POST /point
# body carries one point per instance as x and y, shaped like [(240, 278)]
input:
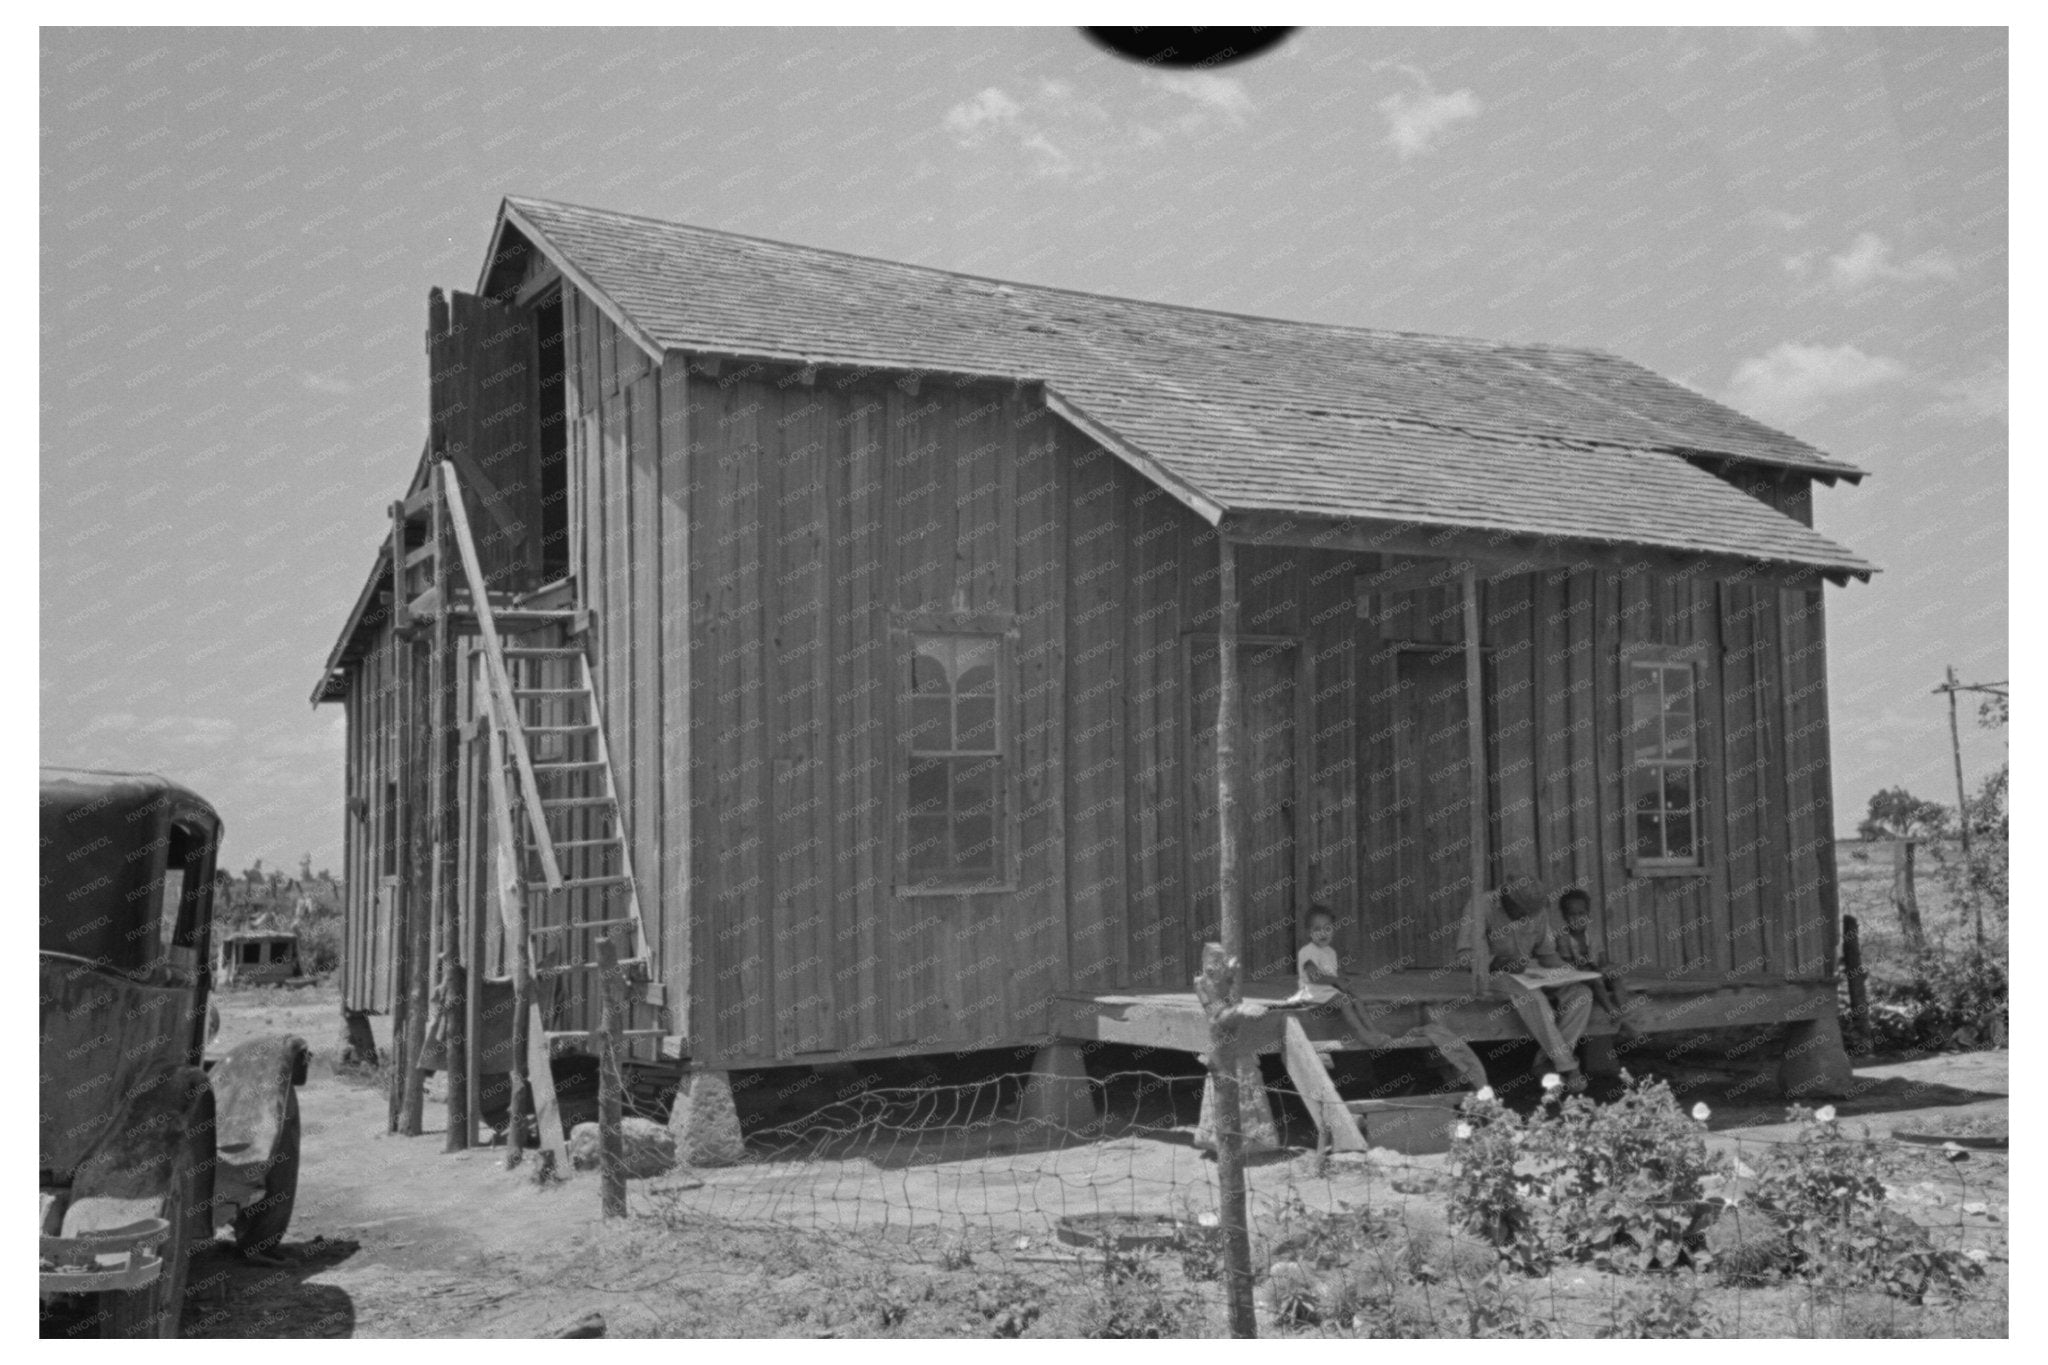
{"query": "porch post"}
[(1229, 876), (1475, 741)]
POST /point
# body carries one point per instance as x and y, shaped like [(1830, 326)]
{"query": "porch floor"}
[(1398, 1001)]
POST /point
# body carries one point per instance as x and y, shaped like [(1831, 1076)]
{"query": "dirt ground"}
[(394, 1237)]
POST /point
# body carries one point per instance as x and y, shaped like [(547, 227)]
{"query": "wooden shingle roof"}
[(1245, 414)]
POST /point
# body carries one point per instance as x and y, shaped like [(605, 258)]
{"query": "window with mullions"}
[(1663, 751), (954, 818)]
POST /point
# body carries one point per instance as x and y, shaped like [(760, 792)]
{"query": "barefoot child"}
[(1575, 946), (1321, 981)]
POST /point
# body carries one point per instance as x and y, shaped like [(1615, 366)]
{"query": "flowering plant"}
[(1625, 1185)]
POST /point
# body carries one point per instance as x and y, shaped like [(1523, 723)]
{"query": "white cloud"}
[(1221, 95), (971, 120), (1869, 260), (1416, 118), (1068, 135), (1792, 380)]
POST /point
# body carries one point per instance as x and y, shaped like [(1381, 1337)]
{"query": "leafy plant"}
[(1662, 1312), (1624, 1185), (1008, 1303), (1825, 1194), (1130, 1301)]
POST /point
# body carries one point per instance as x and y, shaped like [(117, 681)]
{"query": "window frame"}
[(1663, 657), (904, 632)]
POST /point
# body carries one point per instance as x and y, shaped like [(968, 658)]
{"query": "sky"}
[(239, 229)]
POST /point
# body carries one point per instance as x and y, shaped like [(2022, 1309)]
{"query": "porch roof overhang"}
[(1446, 549)]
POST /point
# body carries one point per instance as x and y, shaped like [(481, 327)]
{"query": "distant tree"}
[(1896, 813)]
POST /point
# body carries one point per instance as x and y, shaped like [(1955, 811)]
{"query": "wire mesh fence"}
[(935, 1210)]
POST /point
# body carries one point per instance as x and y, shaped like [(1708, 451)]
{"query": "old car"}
[(148, 1147)]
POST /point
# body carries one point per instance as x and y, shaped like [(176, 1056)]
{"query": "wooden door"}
[(483, 420), (1267, 787), (1432, 795)]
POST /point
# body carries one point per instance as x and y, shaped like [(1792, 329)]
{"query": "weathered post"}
[(1906, 897), (1853, 974), (1219, 987), (401, 830), (447, 834), (611, 1084), (1955, 744), (419, 908), (512, 909)]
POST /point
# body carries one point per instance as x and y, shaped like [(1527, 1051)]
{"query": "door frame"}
[(1192, 641)]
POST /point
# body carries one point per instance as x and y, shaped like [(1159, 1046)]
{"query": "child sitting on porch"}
[(1575, 946), (1321, 981)]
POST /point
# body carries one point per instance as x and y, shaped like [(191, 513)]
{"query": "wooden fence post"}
[(446, 806), (1906, 897), (1217, 987), (512, 910), (611, 1083), (1853, 974)]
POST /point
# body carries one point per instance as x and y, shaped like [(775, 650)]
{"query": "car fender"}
[(129, 1170), (250, 1086)]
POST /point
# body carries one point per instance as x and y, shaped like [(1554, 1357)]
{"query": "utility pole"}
[(1955, 740)]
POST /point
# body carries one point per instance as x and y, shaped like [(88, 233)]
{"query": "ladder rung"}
[(580, 924), (611, 841), (558, 729), (577, 883), (590, 1035), (542, 652), (420, 501), (579, 763), (548, 691), (576, 800), (421, 555), (629, 965)]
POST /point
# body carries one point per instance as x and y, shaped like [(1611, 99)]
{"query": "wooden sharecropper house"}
[(843, 637)]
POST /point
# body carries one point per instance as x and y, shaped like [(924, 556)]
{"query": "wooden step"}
[(590, 1035), (422, 501), (609, 841), (553, 801), (579, 924), (421, 555), (584, 728), (547, 691), (538, 652), (429, 602), (583, 763), (578, 883), (632, 966)]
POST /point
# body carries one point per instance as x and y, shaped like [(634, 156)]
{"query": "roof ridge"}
[(1350, 328)]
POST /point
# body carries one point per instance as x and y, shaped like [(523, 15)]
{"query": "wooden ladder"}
[(576, 814)]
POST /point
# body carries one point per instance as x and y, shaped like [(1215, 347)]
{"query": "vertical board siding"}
[(1155, 914), (858, 624), (1097, 534), (1329, 747), (1045, 455), (1810, 848), (794, 468), (674, 938)]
